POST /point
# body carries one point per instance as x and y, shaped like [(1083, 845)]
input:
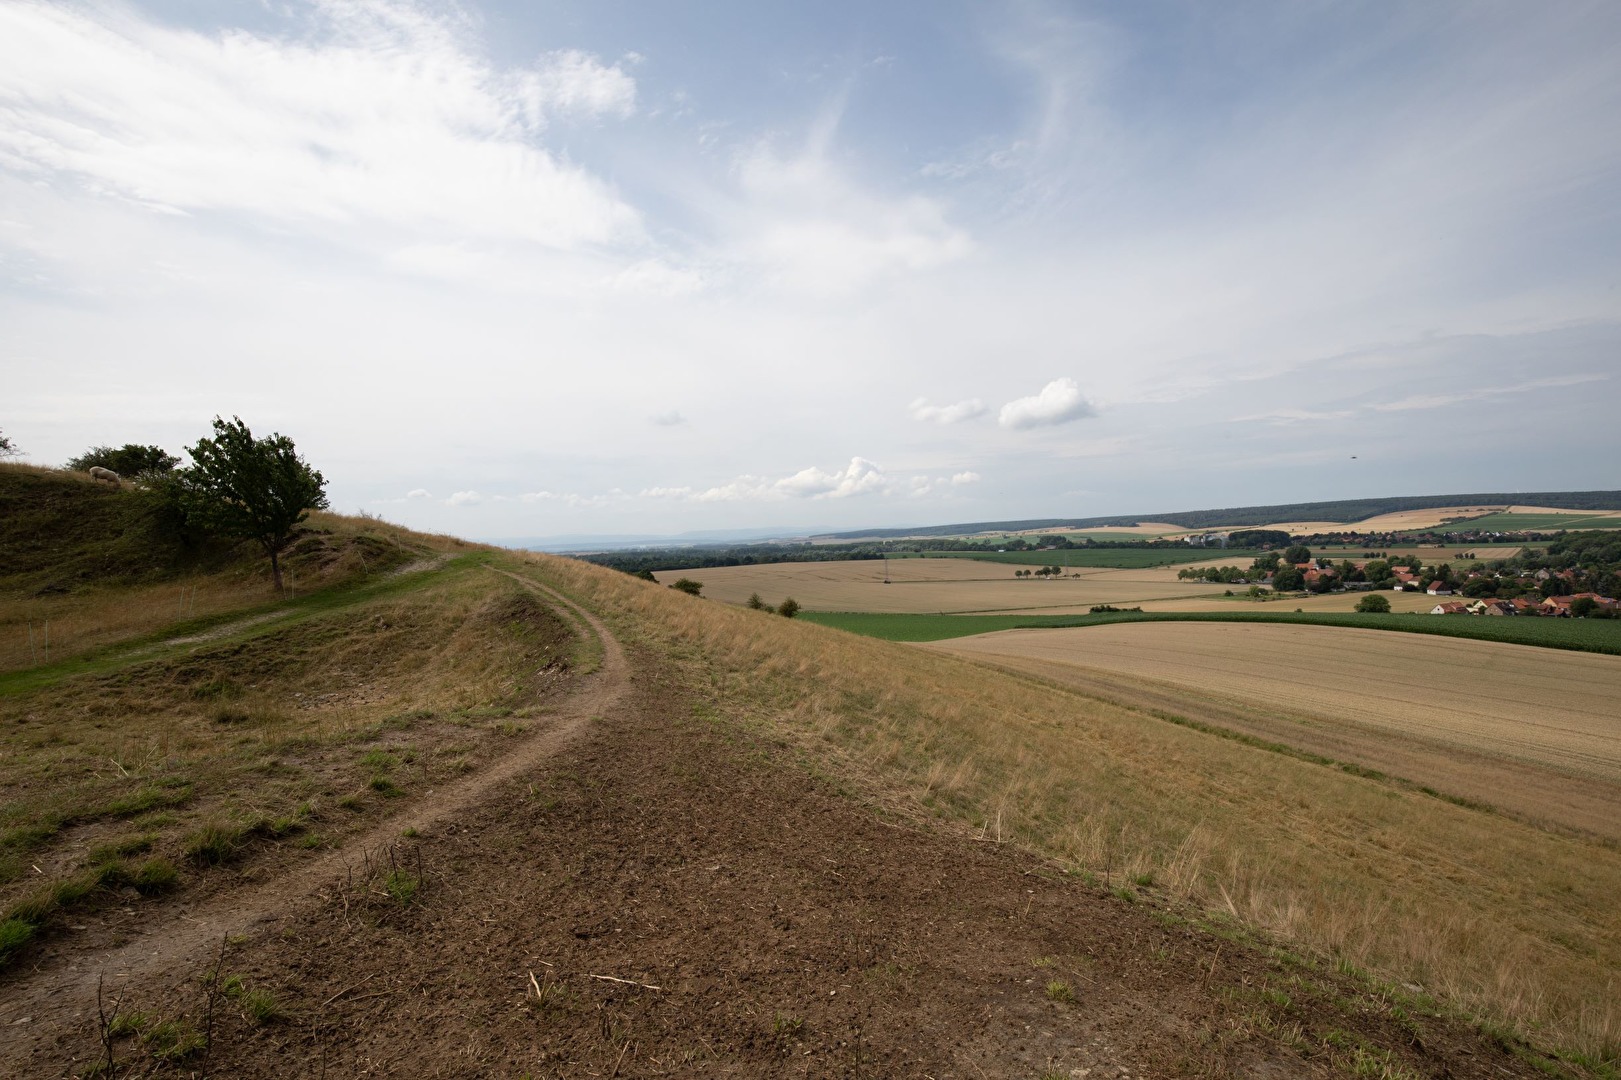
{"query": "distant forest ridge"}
[(1344, 510)]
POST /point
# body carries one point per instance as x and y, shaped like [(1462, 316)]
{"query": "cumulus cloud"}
[(964, 478), (860, 477), (1059, 402), (382, 113), (968, 409), (465, 498), (419, 493)]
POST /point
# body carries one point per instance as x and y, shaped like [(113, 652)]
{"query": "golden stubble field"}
[(1541, 707), (958, 586)]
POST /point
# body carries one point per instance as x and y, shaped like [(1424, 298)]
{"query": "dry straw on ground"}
[(1494, 914)]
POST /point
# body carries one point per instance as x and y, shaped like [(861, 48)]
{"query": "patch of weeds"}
[(149, 797), (261, 1007), (132, 1022), (385, 786), (230, 714), (1275, 997), (1144, 880), (154, 876), (215, 688), (783, 1024), (172, 1040), (378, 760), (1125, 893), (401, 887), (125, 845), (1059, 990), (509, 728), (214, 843), (14, 934), (1043, 961), (410, 832), (311, 841), (158, 820), (352, 802)]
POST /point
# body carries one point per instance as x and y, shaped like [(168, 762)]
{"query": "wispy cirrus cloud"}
[(390, 116), (968, 409)]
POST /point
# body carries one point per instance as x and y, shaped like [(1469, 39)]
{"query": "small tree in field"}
[(251, 489), (788, 608), (7, 447), (1374, 603), (755, 603), (688, 586)]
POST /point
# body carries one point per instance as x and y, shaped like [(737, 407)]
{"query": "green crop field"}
[(1581, 635), (1112, 558), (1533, 522)]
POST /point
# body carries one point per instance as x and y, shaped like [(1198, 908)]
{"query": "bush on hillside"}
[(788, 608), (688, 586), (7, 447), (129, 460)]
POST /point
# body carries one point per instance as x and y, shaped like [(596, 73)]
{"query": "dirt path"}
[(185, 934), (669, 891)]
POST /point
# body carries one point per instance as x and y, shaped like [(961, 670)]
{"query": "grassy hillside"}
[(1521, 924), (1582, 635), (180, 756)]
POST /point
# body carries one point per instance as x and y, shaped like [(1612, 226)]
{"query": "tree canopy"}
[(251, 489), (131, 459)]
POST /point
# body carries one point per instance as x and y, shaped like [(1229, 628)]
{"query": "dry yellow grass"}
[(925, 585), (1546, 706), (1493, 913)]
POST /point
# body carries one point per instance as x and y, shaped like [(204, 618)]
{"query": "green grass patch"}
[(1580, 635), (1096, 558)]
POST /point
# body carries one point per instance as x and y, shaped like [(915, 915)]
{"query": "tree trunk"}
[(275, 569)]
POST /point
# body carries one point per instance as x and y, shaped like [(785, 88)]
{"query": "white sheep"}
[(98, 473)]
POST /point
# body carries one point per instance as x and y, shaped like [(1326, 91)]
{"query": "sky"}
[(525, 269)]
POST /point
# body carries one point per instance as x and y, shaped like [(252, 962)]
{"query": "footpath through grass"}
[(1581, 635)]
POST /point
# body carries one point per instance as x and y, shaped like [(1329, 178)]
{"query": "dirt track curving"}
[(57, 995), (651, 888)]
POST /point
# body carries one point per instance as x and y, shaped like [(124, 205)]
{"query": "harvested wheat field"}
[(1349, 692), (935, 585)]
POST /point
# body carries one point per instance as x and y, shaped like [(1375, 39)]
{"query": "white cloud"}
[(571, 81), (669, 419), (395, 119), (1059, 402), (964, 478), (968, 409), (419, 493), (465, 498), (1481, 393), (860, 477)]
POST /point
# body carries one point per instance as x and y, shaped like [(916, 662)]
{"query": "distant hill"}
[(1343, 510)]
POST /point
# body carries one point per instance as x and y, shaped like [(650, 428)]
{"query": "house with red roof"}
[(1451, 607)]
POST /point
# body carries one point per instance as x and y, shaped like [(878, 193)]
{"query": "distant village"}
[(1577, 577)]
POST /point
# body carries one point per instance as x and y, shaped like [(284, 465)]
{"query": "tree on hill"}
[(251, 489), (688, 586), (788, 608), (131, 459), (1296, 554), (7, 447), (1373, 603)]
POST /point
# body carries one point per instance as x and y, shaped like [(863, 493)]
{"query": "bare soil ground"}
[(647, 890), (1531, 729)]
